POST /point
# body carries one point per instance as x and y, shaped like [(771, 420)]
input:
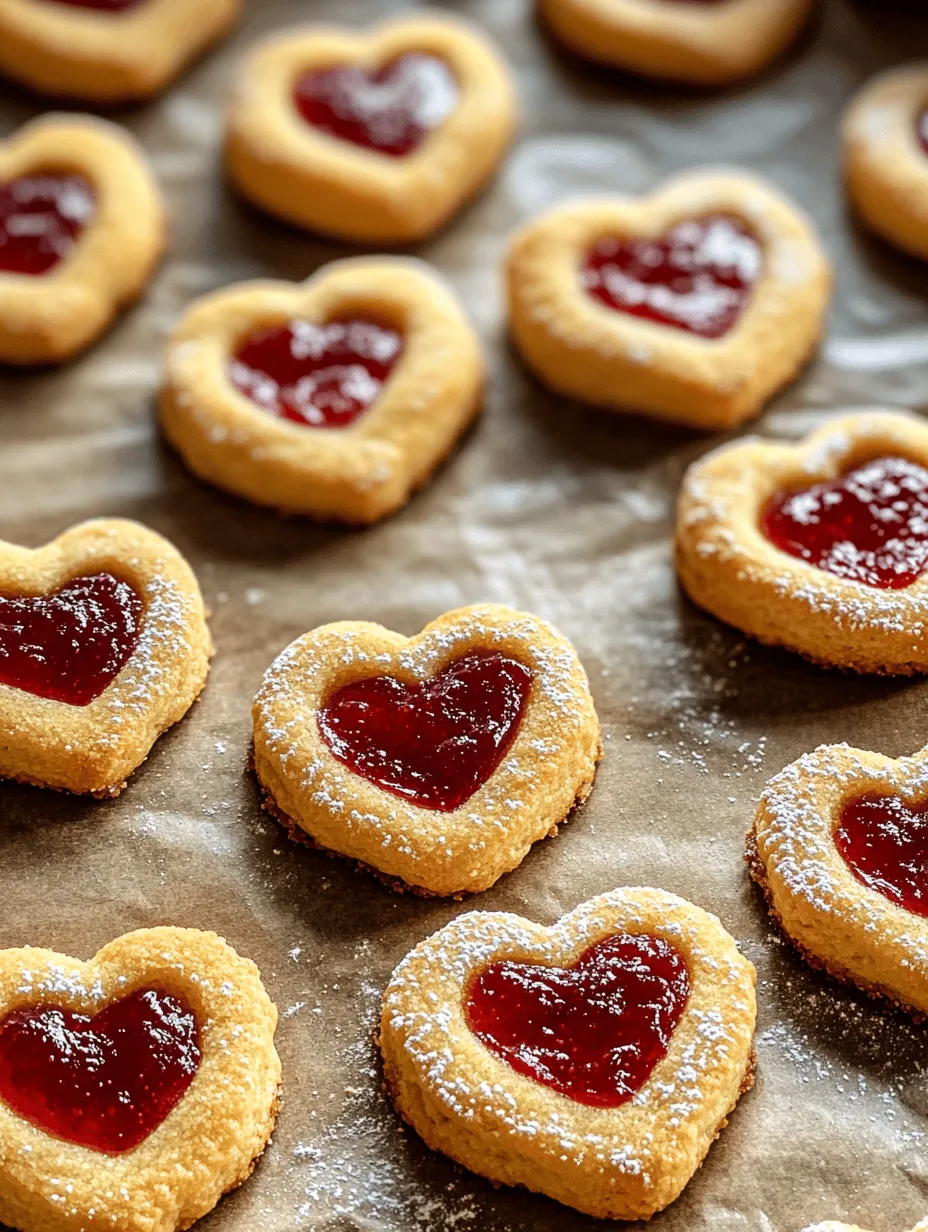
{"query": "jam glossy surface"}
[(391, 110), (698, 277), (41, 219), (870, 525), (321, 376), (884, 843), (593, 1031), (104, 1082), (69, 645), (434, 743)]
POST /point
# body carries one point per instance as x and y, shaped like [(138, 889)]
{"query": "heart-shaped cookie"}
[(376, 137), (103, 646), (712, 42), (106, 51), (595, 1061), (335, 398), (82, 226), (695, 304), (436, 761), (886, 157), (136, 1088), (839, 848), (819, 547)]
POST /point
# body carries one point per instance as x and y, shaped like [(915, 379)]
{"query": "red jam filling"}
[(884, 843), (104, 1082), (323, 376), (593, 1031), (41, 219), (433, 743), (870, 525), (102, 6), (391, 110), (70, 644), (698, 277)]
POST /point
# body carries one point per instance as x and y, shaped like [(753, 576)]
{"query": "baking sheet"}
[(546, 506)]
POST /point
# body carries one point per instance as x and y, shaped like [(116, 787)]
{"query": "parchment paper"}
[(546, 506)]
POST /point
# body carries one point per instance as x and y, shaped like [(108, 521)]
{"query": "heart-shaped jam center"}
[(593, 1031), (105, 1082), (41, 219), (69, 645), (698, 277), (870, 525), (323, 376), (433, 743), (884, 843), (390, 110)]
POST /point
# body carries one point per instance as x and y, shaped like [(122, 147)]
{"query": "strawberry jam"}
[(323, 376), (69, 645), (434, 744), (593, 1031), (698, 277), (884, 843), (870, 525), (41, 219), (390, 110), (104, 1082)]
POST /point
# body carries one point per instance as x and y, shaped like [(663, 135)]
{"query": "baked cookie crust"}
[(107, 58), (885, 166), (726, 564), (307, 177), (548, 769), (92, 749), (355, 474), (585, 350), (611, 1163), (836, 922), (711, 45), (208, 1144), (50, 317)]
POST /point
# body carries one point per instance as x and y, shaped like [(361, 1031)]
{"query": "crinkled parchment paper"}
[(545, 506)]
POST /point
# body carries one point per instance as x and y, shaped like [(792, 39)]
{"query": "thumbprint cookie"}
[(595, 1061), (335, 399), (373, 137), (136, 1088), (838, 847), (82, 225), (886, 157), (435, 761), (695, 304), (106, 51), (103, 646), (702, 42), (820, 547)]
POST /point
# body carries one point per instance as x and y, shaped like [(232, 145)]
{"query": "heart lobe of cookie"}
[(884, 842), (434, 743), (390, 110), (69, 645), (698, 277), (869, 525), (105, 1082), (42, 217), (593, 1031)]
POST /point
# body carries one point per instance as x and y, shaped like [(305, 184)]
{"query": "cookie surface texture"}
[(706, 44), (430, 818), (649, 349), (104, 646), (70, 51), (338, 185), (421, 387), (206, 998), (620, 1162), (728, 565)]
